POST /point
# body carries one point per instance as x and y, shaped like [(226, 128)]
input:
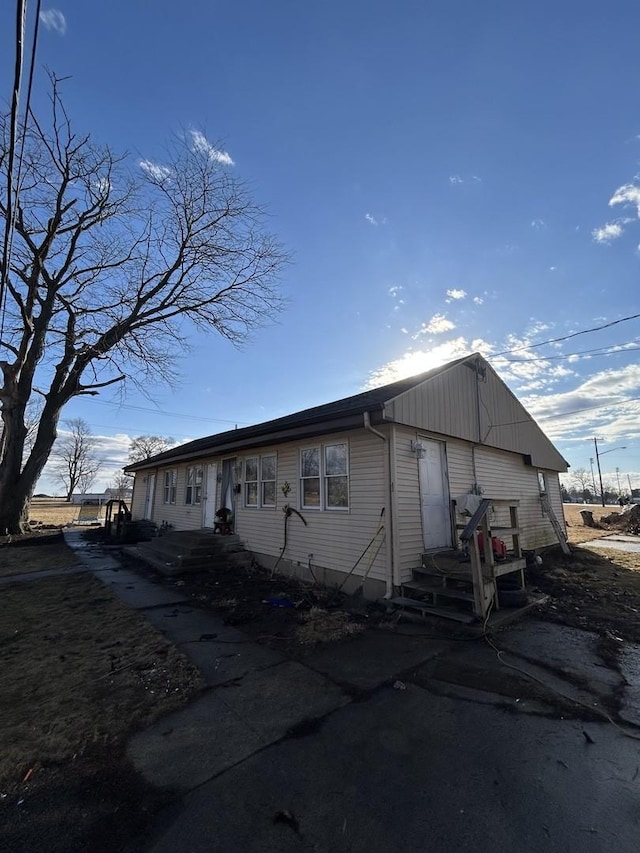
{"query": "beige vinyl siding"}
[(499, 475), (504, 475), (408, 522), (180, 515), (455, 404), (335, 538)]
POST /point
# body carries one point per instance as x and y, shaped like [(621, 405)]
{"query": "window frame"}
[(262, 481), (251, 482), (193, 485), (169, 486), (323, 477), (543, 485), (255, 485), (327, 477)]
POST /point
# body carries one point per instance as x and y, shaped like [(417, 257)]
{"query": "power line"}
[(610, 350), (159, 411), (566, 337)]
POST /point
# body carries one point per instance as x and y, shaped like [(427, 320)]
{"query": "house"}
[(376, 481)]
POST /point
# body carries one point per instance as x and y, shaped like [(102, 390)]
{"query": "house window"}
[(542, 482), (324, 477), (336, 476), (251, 481), (170, 483), (268, 480), (260, 481), (310, 478), (193, 493)]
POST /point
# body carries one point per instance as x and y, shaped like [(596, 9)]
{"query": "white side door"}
[(209, 495), (148, 500), (434, 497)]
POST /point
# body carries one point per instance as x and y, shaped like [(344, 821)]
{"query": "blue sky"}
[(448, 177)]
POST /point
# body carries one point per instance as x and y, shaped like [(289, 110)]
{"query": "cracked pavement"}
[(393, 742)]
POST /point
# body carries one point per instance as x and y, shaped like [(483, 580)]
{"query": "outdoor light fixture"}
[(417, 447)]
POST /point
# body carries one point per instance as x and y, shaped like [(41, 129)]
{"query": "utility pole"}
[(618, 478), (593, 479), (595, 441)]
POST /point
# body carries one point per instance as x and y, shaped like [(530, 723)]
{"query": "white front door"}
[(148, 500), (209, 495), (434, 497)]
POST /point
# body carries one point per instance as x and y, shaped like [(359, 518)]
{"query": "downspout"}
[(389, 579)]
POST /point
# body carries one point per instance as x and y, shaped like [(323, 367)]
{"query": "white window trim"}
[(259, 504), (170, 487), (195, 499), (262, 481), (323, 477)]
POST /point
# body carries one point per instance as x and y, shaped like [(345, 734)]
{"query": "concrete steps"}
[(181, 551)]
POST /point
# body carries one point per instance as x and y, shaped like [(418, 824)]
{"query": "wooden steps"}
[(423, 609), (462, 584)]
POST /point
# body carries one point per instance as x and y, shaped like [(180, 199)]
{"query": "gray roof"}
[(340, 414)]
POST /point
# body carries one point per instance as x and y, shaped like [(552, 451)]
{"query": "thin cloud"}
[(478, 300), (610, 231), (456, 293), (437, 325), (417, 361), (454, 180), (154, 170), (538, 224), (371, 219), (53, 19), (626, 194), (202, 145)]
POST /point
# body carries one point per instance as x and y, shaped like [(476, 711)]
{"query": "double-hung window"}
[(324, 477), (251, 481), (193, 492), (268, 480), (260, 481), (170, 484)]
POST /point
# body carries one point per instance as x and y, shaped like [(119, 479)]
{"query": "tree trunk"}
[(14, 512), (16, 485)]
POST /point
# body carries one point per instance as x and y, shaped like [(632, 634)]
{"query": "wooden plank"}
[(429, 610), (438, 591)]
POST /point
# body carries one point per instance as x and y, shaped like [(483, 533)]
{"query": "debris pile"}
[(322, 626), (627, 521)]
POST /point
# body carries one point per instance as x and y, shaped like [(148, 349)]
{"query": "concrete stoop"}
[(181, 551)]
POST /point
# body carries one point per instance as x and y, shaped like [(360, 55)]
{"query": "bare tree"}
[(75, 461), (583, 480), (109, 266), (146, 446), (121, 486)]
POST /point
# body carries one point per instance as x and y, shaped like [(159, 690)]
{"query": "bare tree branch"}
[(111, 262)]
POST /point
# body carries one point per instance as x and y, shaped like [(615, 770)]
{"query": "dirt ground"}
[(44, 551), (78, 673), (576, 530)]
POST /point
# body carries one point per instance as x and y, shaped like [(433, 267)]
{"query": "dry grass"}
[(55, 511), (577, 532), (50, 553), (78, 671), (320, 626)]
